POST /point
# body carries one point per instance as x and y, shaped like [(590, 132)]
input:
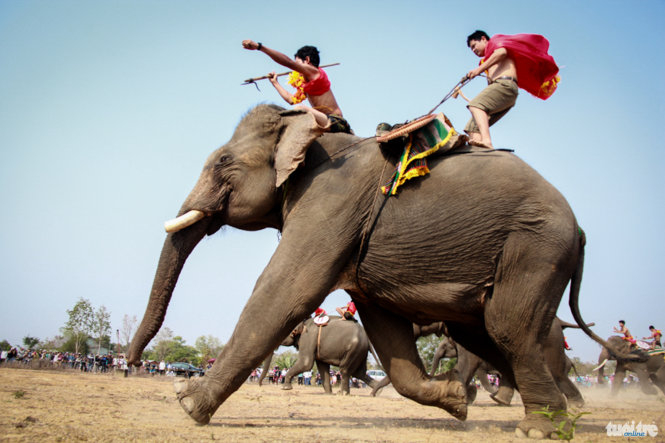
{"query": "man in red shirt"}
[(311, 82), (348, 312), (509, 61)]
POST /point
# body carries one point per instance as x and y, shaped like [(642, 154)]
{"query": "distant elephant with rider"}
[(338, 342), (649, 373)]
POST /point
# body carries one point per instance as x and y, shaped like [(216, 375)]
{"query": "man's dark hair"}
[(476, 36), (311, 52), (651, 327), (621, 321)]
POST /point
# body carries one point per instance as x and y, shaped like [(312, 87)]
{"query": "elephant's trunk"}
[(175, 251)]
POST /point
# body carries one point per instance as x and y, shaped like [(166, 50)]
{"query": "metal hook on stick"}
[(253, 81), (452, 92)]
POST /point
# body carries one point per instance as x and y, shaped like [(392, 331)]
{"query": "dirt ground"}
[(47, 405)]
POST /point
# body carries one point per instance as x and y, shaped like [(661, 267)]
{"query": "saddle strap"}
[(318, 342)]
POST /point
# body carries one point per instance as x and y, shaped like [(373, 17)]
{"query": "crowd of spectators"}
[(64, 360), (111, 363), (276, 376), (96, 363)]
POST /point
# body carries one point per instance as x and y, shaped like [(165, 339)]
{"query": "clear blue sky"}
[(108, 110)]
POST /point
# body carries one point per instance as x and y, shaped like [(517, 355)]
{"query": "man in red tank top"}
[(311, 82)]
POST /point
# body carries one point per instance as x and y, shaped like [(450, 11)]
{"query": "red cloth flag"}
[(536, 69)]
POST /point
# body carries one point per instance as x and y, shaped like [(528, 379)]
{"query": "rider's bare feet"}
[(481, 144), (476, 140)]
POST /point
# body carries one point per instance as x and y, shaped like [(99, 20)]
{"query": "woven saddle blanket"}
[(426, 136)]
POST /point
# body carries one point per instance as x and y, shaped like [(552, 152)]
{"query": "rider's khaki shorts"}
[(496, 100)]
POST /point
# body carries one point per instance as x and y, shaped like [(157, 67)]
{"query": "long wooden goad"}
[(249, 81)]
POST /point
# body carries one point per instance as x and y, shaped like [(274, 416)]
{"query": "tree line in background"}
[(88, 331)]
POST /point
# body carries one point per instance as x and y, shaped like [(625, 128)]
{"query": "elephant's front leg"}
[(504, 395), (296, 281), (304, 363), (438, 355), (393, 340), (619, 375)]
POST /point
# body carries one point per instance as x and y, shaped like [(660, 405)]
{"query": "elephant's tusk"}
[(183, 221), (600, 366)]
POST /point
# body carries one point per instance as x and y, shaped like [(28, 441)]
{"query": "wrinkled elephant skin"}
[(483, 243)]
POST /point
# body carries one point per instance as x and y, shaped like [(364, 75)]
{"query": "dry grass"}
[(42, 405)]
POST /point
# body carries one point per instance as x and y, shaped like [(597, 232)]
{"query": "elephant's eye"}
[(224, 159)]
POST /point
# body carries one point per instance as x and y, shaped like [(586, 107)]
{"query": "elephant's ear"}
[(299, 131)]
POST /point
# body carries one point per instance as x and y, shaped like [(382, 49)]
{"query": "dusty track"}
[(42, 405)]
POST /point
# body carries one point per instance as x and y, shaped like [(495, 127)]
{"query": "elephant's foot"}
[(287, 387), (576, 402), (471, 393), (535, 426), (452, 398), (503, 396), (195, 400)]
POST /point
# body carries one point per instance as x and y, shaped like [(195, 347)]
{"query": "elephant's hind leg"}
[(385, 381), (518, 317), (392, 337), (324, 370)]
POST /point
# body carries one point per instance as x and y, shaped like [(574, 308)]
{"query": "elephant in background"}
[(341, 343), (558, 363), (429, 254), (470, 365), (438, 329), (449, 349), (651, 371)]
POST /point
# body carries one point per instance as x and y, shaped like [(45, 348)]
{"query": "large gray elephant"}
[(340, 342), (483, 243), (649, 373)]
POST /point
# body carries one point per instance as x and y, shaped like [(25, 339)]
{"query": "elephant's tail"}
[(575, 283), (376, 359), (266, 367)]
